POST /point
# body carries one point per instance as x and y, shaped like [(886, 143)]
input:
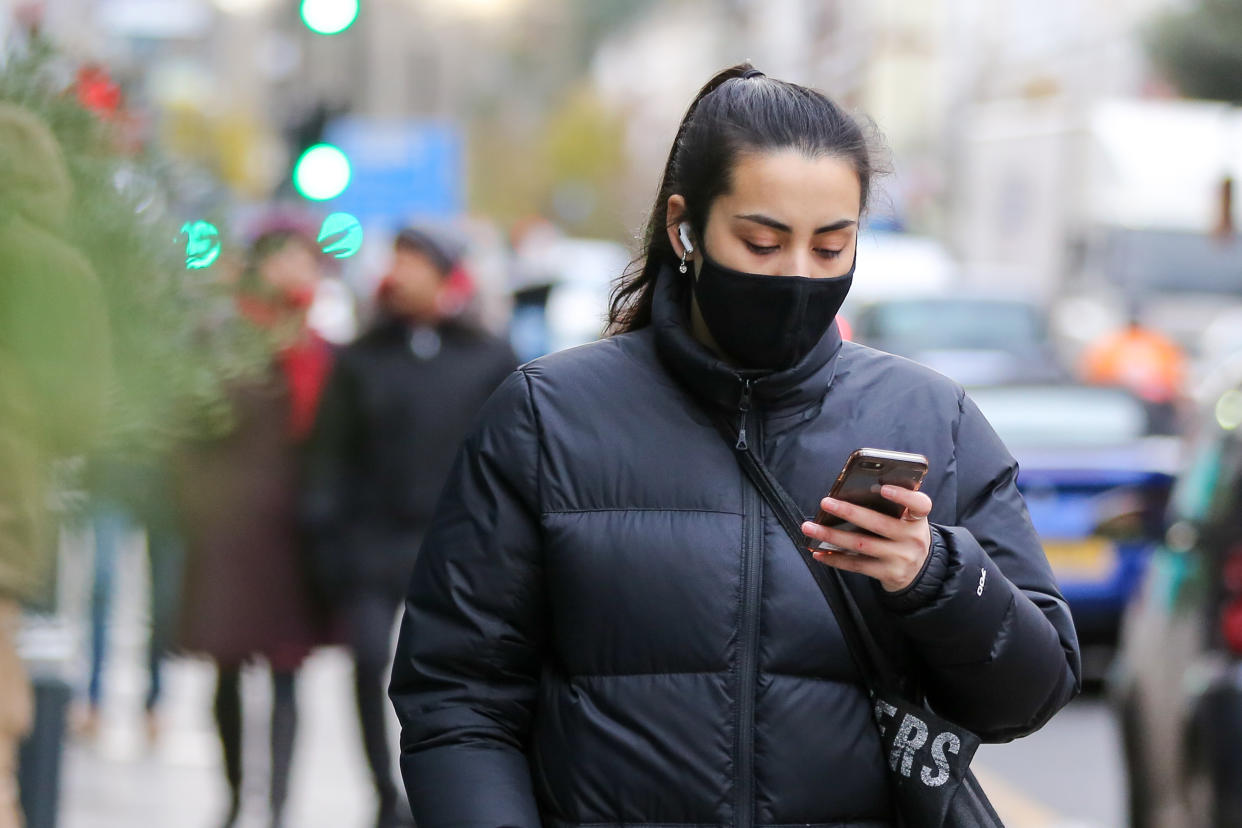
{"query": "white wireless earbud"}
[(683, 231)]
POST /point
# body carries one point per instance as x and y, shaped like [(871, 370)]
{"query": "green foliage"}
[(548, 144), (1200, 49), (176, 343), (571, 168)]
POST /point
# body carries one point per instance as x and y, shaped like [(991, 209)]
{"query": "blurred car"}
[(562, 294), (1177, 685), (1096, 479), (577, 305), (894, 265), (975, 341)]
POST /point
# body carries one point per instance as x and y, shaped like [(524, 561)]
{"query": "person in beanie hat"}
[(55, 363), (396, 406)]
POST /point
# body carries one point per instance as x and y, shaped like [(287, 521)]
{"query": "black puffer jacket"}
[(397, 405), (606, 626)]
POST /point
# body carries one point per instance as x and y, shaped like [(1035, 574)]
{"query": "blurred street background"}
[(1058, 232)]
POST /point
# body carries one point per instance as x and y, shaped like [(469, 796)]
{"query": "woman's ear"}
[(676, 215)]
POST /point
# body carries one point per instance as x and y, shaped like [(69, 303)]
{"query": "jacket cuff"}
[(961, 621), (928, 584)]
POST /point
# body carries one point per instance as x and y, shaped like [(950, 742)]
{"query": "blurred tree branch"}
[(176, 343)]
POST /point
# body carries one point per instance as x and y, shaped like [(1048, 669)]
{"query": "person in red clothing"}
[(246, 596)]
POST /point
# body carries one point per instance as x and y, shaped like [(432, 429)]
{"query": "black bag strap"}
[(962, 804), (872, 663)]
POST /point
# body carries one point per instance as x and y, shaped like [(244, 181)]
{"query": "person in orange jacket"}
[(1141, 359)]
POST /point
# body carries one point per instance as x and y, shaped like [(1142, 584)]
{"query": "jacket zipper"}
[(752, 568), (743, 409)]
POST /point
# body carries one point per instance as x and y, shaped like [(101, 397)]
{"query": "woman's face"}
[(785, 215), (292, 271)]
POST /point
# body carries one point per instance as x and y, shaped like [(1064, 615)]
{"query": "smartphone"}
[(860, 480)]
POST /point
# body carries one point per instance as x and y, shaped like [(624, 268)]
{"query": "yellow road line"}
[(1016, 809)]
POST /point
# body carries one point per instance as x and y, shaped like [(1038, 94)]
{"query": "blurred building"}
[(233, 78), (1035, 139), (1021, 128), (939, 77), (651, 69), (1007, 120)]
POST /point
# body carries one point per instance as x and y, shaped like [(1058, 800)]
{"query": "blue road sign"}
[(401, 169)]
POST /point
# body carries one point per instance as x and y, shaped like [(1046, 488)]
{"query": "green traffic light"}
[(341, 235), (329, 17), (322, 173), (202, 245)]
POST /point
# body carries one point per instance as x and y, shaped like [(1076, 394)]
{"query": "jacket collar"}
[(714, 380)]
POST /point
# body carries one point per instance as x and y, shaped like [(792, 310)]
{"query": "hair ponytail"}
[(739, 109), (630, 304)]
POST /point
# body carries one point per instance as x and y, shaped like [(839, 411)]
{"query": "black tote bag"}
[(928, 757)]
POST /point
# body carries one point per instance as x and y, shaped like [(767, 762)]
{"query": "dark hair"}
[(439, 251), (738, 111), (265, 246)]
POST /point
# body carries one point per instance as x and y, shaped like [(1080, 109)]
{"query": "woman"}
[(246, 595), (605, 626)]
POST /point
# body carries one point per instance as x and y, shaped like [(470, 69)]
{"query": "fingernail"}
[(829, 504), (888, 491)]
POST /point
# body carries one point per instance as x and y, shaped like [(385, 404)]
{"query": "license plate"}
[(1087, 559)]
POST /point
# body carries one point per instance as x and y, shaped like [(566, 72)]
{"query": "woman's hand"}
[(896, 557)]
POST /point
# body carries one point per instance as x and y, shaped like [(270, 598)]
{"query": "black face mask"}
[(768, 322)]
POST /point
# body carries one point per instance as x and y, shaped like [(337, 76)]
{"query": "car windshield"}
[(1062, 416), (934, 324)]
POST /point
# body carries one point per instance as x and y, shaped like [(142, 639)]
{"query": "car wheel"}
[(1214, 770), (1199, 791), (1139, 807)]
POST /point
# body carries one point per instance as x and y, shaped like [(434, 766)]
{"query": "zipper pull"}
[(743, 407)]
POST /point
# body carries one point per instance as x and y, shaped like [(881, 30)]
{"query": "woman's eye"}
[(828, 254), (760, 249)]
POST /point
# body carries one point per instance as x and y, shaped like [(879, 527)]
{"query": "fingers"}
[(894, 564), (918, 505), (863, 564), (863, 518), (894, 554), (844, 539)]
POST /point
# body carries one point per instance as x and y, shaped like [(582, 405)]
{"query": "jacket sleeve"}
[(985, 615), (329, 472), (468, 659)]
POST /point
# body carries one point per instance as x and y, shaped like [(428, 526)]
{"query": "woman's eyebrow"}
[(836, 225), (768, 221)]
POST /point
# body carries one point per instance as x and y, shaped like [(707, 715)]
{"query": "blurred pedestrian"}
[(606, 623), (246, 592), (399, 402), (131, 497), (1145, 361), (54, 368)]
